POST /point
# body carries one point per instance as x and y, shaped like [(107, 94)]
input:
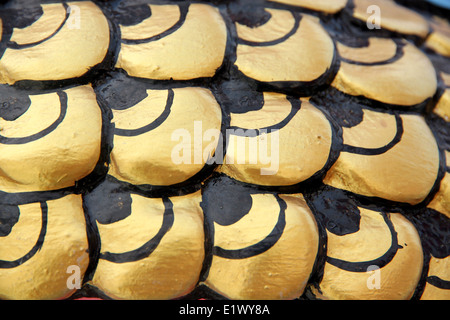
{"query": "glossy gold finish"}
[(439, 39), (441, 201), (162, 18), (395, 281), (195, 50), (275, 158), (45, 276), (327, 6), (282, 271), (405, 173), (152, 157), (80, 44), (172, 269), (63, 156), (53, 16), (438, 268), (304, 56), (379, 130), (394, 17), (407, 81), (377, 50), (142, 236), (442, 107)]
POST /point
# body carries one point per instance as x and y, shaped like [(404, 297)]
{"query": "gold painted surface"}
[(447, 158), (446, 78), (70, 53), (259, 223), (405, 173), (195, 50), (275, 109), (53, 16), (379, 49), (142, 113), (304, 56), (147, 158), (279, 273), (373, 230), (328, 6), (398, 279), (162, 18), (442, 107), (291, 155), (172, 270), (45, 276), (394, 17), (408, 81), (60, 158), (441, 201), (379, 130), (441, 269), (44, 110), (23, 235), (439, 39), (280, 23)]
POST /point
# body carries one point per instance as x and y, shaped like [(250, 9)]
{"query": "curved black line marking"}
[(63, 102), (156, 123), (15, 45), (438, 282), (381, 150), (262, 246), (251, 133), (294, 29), (399, 53), (184, 8), (147, 249), (37, 247), (380, 262)]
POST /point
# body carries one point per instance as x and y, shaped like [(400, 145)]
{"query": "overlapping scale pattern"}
[(283, 149)]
